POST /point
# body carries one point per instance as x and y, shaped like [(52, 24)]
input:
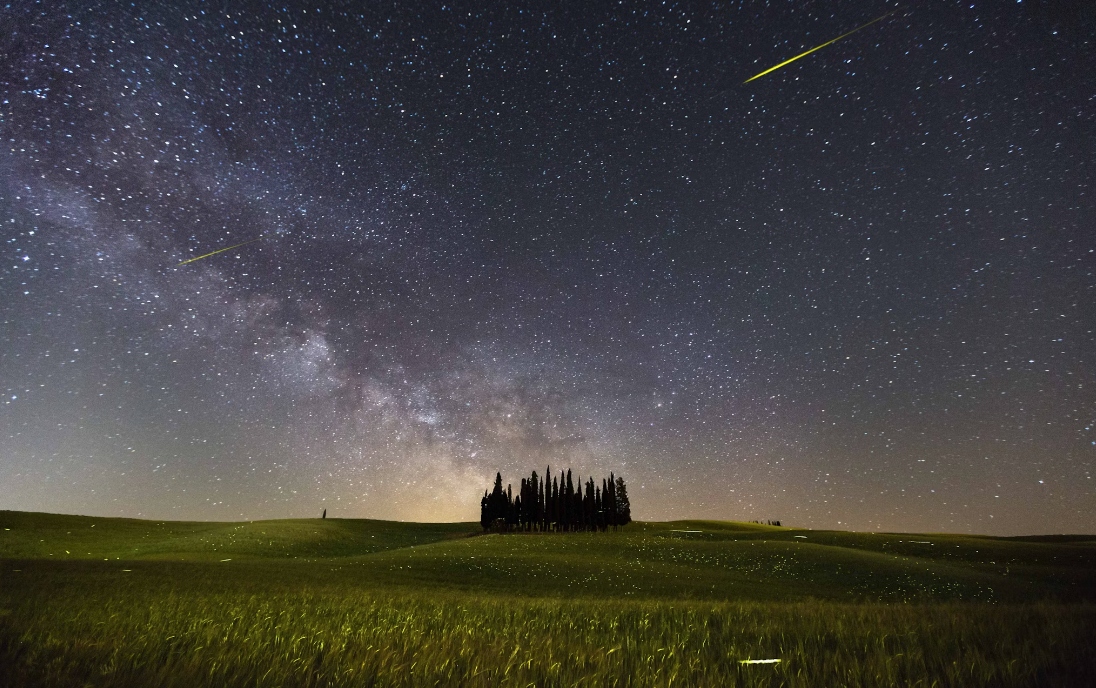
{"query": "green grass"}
[(53, 536), (88, 601)]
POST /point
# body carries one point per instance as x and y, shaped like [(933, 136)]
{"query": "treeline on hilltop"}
[(557, 505)]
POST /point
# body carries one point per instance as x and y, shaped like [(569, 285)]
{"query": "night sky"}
[(857, 292)]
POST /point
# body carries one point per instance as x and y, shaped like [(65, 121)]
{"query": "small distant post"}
[(324, 514)]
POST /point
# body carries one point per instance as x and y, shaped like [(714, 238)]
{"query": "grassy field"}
[(90, 601)]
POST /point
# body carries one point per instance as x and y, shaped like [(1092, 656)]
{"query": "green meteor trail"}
[(830, 42), (220, 250)]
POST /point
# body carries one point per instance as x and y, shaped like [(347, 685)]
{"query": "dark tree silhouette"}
[(555, 501), (589, 506), (599, 513), (560, 504), (496, 506), (568, 503), (623, 506)]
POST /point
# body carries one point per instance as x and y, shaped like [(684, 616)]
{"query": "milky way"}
[(855, 293)]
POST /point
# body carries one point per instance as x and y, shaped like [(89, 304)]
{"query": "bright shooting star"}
[(220, 250), (844, 35)]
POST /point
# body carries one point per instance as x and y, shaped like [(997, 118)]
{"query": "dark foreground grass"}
[(332, 638), (655, 605)]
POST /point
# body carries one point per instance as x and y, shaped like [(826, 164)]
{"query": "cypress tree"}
[(509, 515), (580, 514), (533, 508), (534, 495), (523, 514), (606, 503), (611, 508), (563, 510), (568, 502), (576, 505), (534, 502), (624, 507), (485, 517), (599, 515), (523, 495), (496, 507), (547, 502), (555, 503), (580, 502), (540, 504), (588, 505)]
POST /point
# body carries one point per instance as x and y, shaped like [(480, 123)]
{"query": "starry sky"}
[(854, 293)]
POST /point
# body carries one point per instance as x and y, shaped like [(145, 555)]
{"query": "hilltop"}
[(681, 559)]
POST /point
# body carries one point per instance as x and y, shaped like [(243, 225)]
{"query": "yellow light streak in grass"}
[(220, 250), (759, 661), (831, 42)]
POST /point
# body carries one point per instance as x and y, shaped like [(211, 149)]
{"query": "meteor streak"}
[(831, 42), (220, 250)]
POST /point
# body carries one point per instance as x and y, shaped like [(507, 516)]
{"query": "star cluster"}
[(856, 292)]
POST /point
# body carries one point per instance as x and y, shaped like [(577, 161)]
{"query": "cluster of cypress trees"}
[(557, 505)]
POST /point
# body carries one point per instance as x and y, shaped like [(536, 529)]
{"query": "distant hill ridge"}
[(691, 558)]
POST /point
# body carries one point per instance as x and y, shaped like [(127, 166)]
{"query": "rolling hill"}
[(136, 602)]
